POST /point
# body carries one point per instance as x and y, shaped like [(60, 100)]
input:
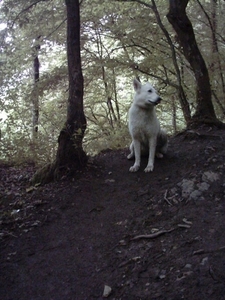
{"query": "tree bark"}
[(215, 65), (177, 17), (70, 152), (181, 94), (70, 155), (35, 94)]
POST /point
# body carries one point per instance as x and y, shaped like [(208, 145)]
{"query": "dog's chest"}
[(143, 123)]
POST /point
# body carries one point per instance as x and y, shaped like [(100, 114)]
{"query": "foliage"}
[(120, 40)]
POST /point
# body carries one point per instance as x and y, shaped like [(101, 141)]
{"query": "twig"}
[(186, 221), (184, 225), (133, 259), (7, 233), (152, 235), (160, 232), (25, 10), (199, 251), (202, 251), (165, 198)]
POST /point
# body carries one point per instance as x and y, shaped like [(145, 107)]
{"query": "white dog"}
[(144, 127)]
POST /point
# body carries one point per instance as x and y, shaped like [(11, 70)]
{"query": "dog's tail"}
[(162, 142)]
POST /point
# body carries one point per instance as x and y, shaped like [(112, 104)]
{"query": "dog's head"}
[(145, 95)]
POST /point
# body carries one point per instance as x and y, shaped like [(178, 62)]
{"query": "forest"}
[(119, 40), (75, 224)]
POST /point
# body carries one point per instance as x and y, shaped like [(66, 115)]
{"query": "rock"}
[(210, 176), (162, 274), (204, 261), (203, 186), (188, 266), (195, 194), (187, 187), (107, 291), (190, 189)]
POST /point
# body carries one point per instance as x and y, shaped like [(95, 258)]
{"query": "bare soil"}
[(158, 235)]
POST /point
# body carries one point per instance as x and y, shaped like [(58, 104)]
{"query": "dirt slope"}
[(68, 240)]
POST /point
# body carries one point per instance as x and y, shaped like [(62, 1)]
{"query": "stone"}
[(107, 291), (210, 176)]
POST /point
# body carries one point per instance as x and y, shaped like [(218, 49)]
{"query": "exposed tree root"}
[(43, 175)]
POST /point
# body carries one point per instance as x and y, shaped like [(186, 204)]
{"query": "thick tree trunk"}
[(177, 17), (215, 65), (216, 62), (181, 94), (70, 152), (70, 155)]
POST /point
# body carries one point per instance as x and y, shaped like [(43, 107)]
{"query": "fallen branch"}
[(6, 233), (152, 235), (202, 251), (166, 199), (161, 232)]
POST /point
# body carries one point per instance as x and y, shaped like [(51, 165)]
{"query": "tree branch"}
[(137, 1), (26, 9), (55, 29)]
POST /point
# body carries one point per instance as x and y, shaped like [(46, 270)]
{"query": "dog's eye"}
[(150, 91)]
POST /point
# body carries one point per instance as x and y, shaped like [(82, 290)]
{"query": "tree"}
[(181, 94), (35, 96), (70, 154), (215, 67), (177, 17)]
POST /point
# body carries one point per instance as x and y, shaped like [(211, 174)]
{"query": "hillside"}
[(146, 236)]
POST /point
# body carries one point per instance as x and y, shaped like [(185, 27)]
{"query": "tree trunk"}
[(70, 152), (116, 98), (70, 155), (215, 65), (181, 94), (216, 62), (35, 94), (177, 17)]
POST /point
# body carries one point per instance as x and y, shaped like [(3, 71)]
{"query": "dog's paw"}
[(134, 168), (149, 169)]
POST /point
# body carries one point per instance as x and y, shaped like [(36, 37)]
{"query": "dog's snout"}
[(157, 101)]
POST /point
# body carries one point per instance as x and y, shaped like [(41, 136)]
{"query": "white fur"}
[(144, 126)]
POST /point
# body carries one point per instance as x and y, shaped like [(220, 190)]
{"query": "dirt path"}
[(68, 240)]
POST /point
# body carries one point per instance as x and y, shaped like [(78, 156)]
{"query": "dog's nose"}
[(158, 100)]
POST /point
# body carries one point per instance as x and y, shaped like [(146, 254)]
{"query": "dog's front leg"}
[(151, 157), (137, 153)]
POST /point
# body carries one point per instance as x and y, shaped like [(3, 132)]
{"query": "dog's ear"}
[(137, 85)]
